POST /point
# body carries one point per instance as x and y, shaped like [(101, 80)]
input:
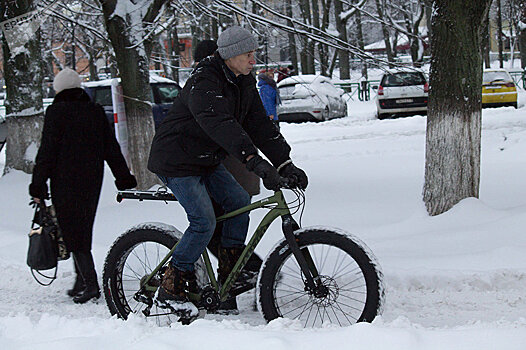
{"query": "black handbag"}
[(46, 243)]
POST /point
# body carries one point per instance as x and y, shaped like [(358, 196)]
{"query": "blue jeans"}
[(193, 193)]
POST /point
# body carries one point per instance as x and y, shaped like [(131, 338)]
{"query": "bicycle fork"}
[(303, 257)]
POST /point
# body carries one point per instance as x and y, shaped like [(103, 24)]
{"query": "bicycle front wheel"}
[(350, 287)]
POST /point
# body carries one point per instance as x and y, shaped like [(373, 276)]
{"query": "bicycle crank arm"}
[(302, 255)]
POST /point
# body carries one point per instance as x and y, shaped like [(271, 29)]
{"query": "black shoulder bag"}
[(46, 243)]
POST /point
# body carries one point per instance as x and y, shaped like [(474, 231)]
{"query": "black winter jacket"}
[(76, 140), (213, 116)]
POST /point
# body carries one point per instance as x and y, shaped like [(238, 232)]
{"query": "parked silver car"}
[(310, 98), (402, 92)]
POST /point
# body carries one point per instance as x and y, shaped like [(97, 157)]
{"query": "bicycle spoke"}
[(354, 280), (344, 314), (286, 295), (335, 315), (343, 272), (308, 316), (349, 306), (291, 311), (353, 299), (284, 274), (337, 264), (353, 290), (139, 260), (283, 284), (293, 300)]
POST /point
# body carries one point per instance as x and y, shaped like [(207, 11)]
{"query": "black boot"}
[(79, 283), (245, 281), (86, 267)]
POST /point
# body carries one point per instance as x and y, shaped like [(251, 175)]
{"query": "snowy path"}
[(457, 281)]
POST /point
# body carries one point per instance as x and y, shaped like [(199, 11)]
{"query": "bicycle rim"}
[(346, 295), (137, 263)]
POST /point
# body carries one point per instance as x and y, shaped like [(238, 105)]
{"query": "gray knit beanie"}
[(66, 79), (235, 41)]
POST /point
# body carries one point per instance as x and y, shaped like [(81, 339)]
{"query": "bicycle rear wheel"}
[(132, 257), (350, 281)]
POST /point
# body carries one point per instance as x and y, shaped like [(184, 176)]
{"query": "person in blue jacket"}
[(269, 93)]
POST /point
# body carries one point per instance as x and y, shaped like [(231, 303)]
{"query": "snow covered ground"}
[(455, 281)]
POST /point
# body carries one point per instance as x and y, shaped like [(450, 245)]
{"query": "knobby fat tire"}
[(270, 271)]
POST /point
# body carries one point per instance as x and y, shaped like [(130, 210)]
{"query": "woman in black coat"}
[(76, 141)]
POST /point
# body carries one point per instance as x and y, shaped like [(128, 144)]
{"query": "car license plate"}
[(404, 100)]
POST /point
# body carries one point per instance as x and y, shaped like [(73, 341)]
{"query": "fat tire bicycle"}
[(317, 275)]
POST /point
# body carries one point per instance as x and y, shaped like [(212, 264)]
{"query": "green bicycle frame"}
[(280, 209)]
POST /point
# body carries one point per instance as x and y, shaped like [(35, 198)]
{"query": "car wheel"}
[(383, 116), (326, 114), (515, 105)]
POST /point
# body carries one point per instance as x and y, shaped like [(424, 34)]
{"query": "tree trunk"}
[(499, 34), (385, 32), (452, 170), (345, 72), (321, 49), (307, 52), (417, 47), (173, 45), (486, 42), (24, 110), (522, 37), (361, 43), (428, 5), (292, 39), (93, 74), (131, 53)]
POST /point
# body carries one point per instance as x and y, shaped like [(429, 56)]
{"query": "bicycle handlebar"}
[(163, 194)]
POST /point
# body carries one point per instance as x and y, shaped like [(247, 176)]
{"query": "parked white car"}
[(310, 98), (402, 92)]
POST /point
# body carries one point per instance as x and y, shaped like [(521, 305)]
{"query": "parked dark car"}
[(163, 92)]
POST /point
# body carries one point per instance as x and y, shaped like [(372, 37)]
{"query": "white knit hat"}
[(66, 79)]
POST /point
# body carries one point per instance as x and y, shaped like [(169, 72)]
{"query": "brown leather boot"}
[(172, 285), (174, 289)]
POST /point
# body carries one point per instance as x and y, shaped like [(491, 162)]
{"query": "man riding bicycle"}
[(218, 111)]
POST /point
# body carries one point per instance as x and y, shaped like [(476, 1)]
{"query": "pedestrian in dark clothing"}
[(218, 112), (269, 93), (204, 49), (76, 140), (285, 72), (247, 179)]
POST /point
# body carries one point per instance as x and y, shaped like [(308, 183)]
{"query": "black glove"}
[(126, 182), (296, 176), (265, 171), (38, 191)]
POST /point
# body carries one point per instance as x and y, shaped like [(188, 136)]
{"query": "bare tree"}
[(522, 33), (452, 170), (406, 16), (23, 79), (380, 9), (131, 31), (499, 32)]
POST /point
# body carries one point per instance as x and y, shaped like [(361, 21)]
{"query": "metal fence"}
[(361, 90)]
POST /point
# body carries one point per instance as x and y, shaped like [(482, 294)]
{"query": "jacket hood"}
[(264, 79), (72, 95)]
